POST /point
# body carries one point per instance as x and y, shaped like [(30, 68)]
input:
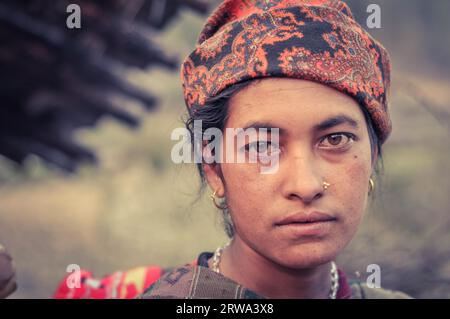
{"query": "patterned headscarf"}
[(316, 40)]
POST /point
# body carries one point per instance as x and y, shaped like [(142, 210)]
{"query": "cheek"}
[(242, 185), (247, 191), (352, 188)]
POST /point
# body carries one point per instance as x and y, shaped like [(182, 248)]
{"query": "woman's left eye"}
[(337, 140)]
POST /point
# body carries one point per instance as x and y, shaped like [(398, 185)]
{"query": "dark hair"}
[(215, 113)]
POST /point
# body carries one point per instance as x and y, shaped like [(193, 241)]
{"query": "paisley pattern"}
[(315, 40)]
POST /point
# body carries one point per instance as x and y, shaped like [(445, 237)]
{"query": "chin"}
[(308, 255)]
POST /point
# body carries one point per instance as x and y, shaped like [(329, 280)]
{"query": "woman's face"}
[(323, 137)]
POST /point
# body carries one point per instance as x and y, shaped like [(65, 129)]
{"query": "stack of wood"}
[(55, 79)]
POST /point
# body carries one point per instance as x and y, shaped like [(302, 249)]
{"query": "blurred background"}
[(85, 121)]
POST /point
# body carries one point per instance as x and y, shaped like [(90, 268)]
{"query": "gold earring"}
[(325, 185), (371, 185), (213, 197)]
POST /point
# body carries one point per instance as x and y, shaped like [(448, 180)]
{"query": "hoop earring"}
[(213, 197), (371, 185)]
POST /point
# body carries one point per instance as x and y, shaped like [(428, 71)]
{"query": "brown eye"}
[(258, 147), (262, 147), (336, 140)]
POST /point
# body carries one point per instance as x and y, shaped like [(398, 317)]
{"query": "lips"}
[(306, 226), (305, 218)]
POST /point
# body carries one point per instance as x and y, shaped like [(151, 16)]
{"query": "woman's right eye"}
[(261, 147)]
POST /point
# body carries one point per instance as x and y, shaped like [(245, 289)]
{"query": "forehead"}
[(290, 103)]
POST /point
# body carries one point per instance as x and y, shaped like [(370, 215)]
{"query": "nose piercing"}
[(325, 185)]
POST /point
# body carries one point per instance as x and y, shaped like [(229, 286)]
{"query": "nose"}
[(302, 179)]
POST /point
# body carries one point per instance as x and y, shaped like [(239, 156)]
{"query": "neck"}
[(269, 279)]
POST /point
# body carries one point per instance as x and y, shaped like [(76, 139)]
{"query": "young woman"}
[(316, 84), (310, 87)]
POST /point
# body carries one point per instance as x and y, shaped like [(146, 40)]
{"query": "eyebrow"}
[(335, 121), (264, 125), (322, 126)]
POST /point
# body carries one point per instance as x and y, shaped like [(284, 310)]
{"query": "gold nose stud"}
[(325, 185)]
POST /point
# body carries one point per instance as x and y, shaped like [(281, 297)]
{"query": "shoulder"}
[(196, 282), (174, 284), (360, 290)]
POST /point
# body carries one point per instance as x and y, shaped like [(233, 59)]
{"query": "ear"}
[(213, 173)]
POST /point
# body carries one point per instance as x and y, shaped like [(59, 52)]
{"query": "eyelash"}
[(247, 146), (350, 136)]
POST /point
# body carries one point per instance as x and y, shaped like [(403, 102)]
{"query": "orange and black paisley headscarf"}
[(316, 40)]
